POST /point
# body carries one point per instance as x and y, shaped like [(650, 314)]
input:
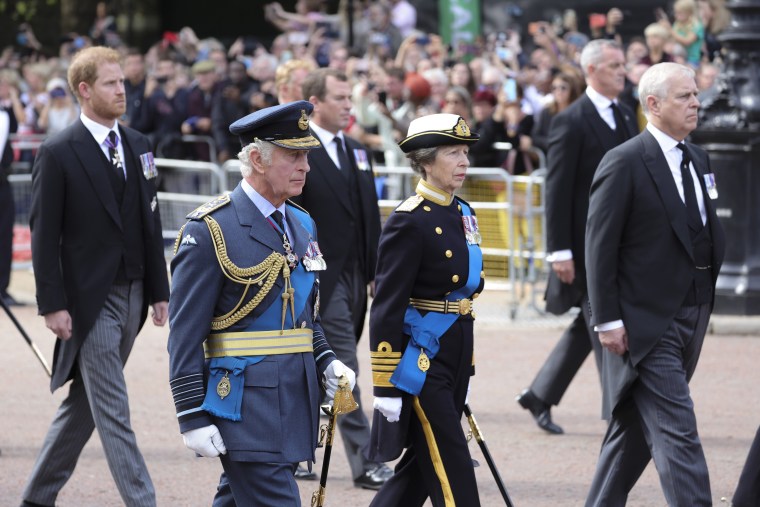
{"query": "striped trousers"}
[(98, 399)]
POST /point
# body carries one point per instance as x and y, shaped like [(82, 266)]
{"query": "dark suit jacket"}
[(77, 240), (326, 196), (638, 250), (578, 139)]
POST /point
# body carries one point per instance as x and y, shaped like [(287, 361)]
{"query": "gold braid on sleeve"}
[(179, 238), (263, 274)]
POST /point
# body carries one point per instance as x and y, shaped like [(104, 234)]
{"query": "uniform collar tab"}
[(433, 194)]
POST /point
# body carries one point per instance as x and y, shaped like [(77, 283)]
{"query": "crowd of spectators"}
[(506, 84)]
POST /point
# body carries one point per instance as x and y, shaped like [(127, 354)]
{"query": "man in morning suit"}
[(98, 258), (578, 139), (654, 247), (247, 354), (340, 195)]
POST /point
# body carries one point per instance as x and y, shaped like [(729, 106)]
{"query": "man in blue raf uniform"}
[(246, 345)]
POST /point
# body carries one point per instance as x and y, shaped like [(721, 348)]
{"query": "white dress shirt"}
[(327, 139)]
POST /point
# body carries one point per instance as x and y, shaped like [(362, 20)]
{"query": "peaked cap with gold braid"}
[(286, 125), (437, 130)]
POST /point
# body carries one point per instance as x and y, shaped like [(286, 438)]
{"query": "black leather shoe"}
[(303, 474), (540, 410), (24, 503), (374, 478)]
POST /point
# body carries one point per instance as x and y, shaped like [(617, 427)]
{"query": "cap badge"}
[(461, 129), (303, 121)]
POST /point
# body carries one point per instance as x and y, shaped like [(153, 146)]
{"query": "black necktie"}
[(277, 217), (345, 165), (113, 154), (620, 129), (690, 196)]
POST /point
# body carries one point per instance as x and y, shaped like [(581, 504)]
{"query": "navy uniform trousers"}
[(435, 433)]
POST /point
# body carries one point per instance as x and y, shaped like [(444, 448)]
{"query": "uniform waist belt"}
[(459, 307), (258, 343)]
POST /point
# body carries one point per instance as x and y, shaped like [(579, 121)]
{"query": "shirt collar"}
[(325, 135), (433, 194), (600, 101), (666, 142), (98, 131), (265, 207)]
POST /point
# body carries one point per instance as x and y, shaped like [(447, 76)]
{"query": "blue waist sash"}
[(425, 332), (228, 407)]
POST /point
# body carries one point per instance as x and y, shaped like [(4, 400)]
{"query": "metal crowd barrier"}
[(510, 212), (190, 176), (511, 219), (192, 140), (231, 170)]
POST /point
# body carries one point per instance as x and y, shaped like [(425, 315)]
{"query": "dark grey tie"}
[(278, 218), (345, 165), (620, 128), (690, 196)]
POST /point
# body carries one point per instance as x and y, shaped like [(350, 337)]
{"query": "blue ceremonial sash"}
[(234, 367), (425, 332)]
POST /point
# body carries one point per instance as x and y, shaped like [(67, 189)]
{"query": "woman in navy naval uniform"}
[(421, 324)]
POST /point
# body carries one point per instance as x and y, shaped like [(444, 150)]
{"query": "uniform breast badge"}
[(223, 388), (188, 240), (471, 231), (423, 362)]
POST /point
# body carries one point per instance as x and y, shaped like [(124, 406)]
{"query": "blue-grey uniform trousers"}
[(98, 399)]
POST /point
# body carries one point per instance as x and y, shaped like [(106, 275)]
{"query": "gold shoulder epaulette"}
[(205, 209), (296, 206), (410, 204)]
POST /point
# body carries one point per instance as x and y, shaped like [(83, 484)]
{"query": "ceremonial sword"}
[(343, 403)]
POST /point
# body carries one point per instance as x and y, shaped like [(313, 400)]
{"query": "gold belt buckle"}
[(465, 306)]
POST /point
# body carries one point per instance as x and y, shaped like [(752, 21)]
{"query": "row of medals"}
[(314, 263)]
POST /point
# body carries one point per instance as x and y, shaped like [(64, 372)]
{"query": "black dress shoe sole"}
[(374, 485), (305, 475)]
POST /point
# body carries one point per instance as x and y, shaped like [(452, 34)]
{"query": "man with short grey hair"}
[(654, 247), (578, 139)]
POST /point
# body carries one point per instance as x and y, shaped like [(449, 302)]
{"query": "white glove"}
[(206, 441), (467, 396), (389, 407), (332, 374)]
